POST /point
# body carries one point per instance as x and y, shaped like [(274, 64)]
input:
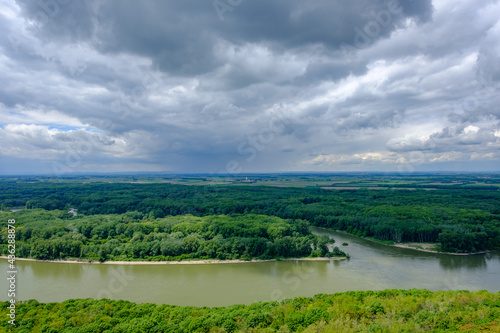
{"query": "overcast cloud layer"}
[(249, 85)]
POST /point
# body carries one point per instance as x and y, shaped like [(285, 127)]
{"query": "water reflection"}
[(475, 262), (58, 269)]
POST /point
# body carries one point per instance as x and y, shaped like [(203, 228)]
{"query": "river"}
[(372, 266)]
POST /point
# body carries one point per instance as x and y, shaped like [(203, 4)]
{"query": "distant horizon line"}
[(213, 174)]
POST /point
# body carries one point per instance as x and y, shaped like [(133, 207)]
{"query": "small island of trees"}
[(57, 234)]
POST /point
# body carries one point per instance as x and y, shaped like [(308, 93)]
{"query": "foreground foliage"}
[(56, 234), (361, 311), (462, 219)]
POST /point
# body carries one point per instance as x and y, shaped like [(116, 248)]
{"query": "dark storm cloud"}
[(180, 36), (330, 71), (68, 21), (422, 10)]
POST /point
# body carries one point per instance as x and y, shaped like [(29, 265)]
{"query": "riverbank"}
[(422, 247), (427, 247), (184, 262)]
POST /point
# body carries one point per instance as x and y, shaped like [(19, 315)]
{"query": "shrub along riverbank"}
[(361, 311)]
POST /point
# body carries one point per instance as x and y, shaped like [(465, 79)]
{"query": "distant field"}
[(326, 181), (353, 188)]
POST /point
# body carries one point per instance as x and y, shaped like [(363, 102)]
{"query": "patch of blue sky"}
[(64, 127), (68, 128)]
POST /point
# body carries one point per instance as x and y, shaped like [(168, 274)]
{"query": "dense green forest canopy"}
[(57, 234), (360, 311), (461, 218)]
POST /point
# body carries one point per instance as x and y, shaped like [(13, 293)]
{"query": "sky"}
[(244, 86)]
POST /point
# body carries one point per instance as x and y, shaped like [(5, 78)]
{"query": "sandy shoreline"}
[(405, 246), (186, 262)]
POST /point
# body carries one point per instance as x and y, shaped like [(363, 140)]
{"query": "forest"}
[(149, 221), (56, 234), (356, 311), (461, 219)]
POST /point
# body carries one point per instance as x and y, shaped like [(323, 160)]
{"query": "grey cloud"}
[(330, 71), (488, 64), (460, 138), (374, 120), (67, 21), (164, 31), (422, 10)]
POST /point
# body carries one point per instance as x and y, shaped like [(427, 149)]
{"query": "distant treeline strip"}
[(360, 311), (461, 219)]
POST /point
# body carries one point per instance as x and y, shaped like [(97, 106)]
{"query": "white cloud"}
[(447, 157), (44, 143), (376, 157)]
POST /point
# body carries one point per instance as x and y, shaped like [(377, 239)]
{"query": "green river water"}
[(372, 266)]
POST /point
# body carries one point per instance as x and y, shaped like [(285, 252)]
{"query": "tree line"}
[(56, 234), (360, 311)]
